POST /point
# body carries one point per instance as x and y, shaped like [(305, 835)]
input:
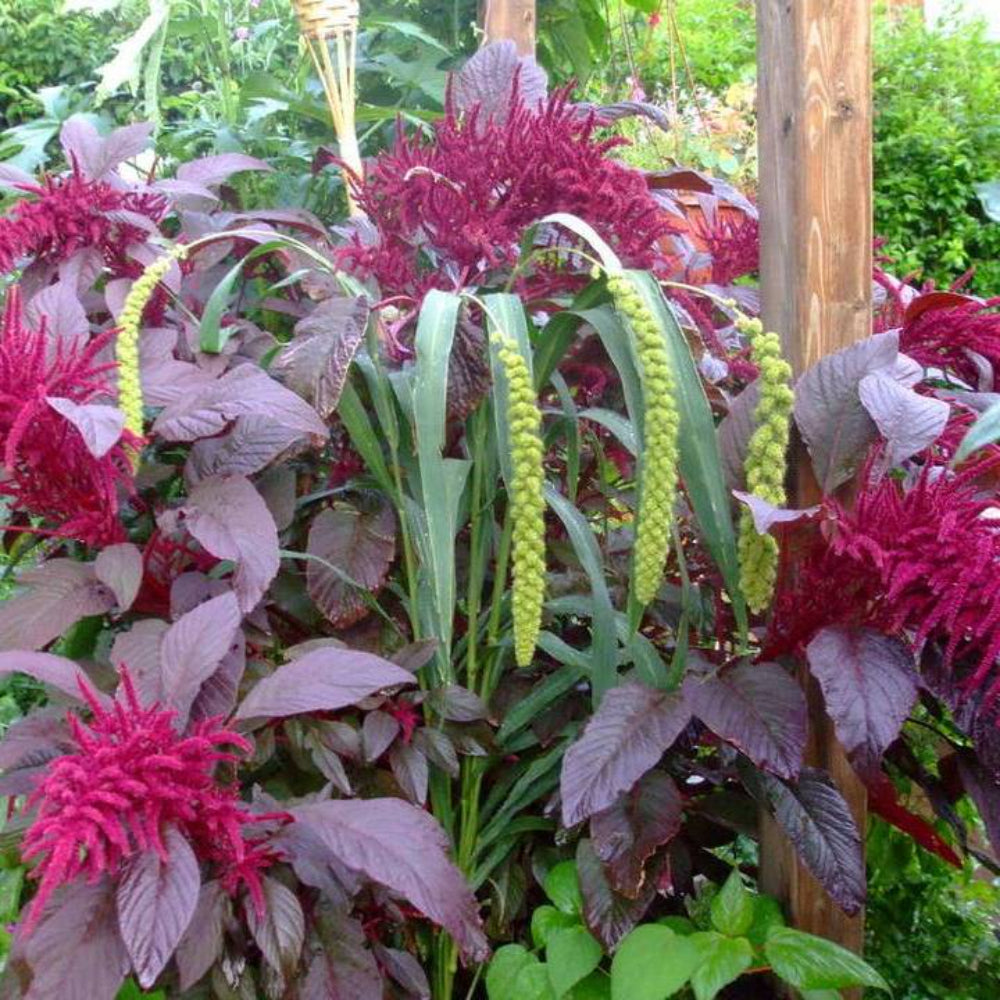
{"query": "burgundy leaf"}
[(59, 306), (984, 790), (99, 425), (119, 567), (194, 646), (218, 695), (403, 848), (55, 671), (35, 739), (642, 820), (346, 969), (139, 651), (201, 944), (404, 969), (230, 519), (909, 421), (277, 487), (765, 515), (244, 391), (608, 914), (630, 731), (487, 80), (156, 901), (759, 708), (734, 433), (819, 824), (416, 654), (409, 768), (457, 704), (76, 952), (252, 444), (836, 427), (212, 170), (58, 594), (869, 683), (438, 749), (321, 681), (98, 156), (280, 930), (357, 547), (377, 733), (315, 362)]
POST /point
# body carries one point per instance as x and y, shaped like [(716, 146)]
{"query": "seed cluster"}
[(527, 502), (658, 486), (766, 461), (127, 343)]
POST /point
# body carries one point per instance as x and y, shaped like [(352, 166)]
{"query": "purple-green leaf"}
[(321, 681), (869, 683), (401, 847), (280, 930), (120, 568), (202, 942), (631, 730), (759, 708), (156, 901)]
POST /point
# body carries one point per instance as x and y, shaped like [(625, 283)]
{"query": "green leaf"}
[(766, 914), (562, 886), (986, 430), (597, 986), (723, 959), (732, 907), (604, 654), (821, 995), (547, 919), (441, 479), (679, 925), (571, 954), (652, 963), (505, 966), (532, 983), (359, 428), (620, 426), (813, 963), (11, 884)]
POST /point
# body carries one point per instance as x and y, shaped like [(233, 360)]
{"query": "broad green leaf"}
[(503, 970), (985, 431), (363, 437), (546, 919), (597, 986), (813, 963), (766, 914), (700, 462), (723, 959), (127, 62), (563, 887), (652, 963), (732, 907), (441, 479), (571, 954), (679, 925), (620, 426), (604, 653), (11, 884), (532, 983)]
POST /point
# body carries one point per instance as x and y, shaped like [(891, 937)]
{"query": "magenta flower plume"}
[(733, 245), (50, 472), (72, 213), (452, 209), (130, 778), (924, 560), (951, 337)]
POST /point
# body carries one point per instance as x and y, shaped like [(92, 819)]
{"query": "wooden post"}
[(513, 19), (815, 125)]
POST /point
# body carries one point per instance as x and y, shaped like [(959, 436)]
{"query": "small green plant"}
[(730, 931)]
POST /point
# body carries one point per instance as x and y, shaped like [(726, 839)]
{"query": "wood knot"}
[(845, 109)]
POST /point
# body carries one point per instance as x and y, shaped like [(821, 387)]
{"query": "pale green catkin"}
[(127, 341), (658, 486), (766, 462), (527, 501)]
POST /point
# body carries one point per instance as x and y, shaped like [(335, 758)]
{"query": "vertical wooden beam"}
[(815, 135), (513, 19)]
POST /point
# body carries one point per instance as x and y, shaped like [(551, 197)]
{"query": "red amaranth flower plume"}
[(131, 777), (925, 560), (71, 213), (50, 472), (952, 333), (450, 210)]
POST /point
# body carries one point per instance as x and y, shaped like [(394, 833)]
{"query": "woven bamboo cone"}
[(332, 25)]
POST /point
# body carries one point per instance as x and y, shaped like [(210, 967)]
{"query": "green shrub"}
[(42, 47), (936, 135)]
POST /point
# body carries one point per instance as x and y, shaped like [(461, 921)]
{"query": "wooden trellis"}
[(815, 135)]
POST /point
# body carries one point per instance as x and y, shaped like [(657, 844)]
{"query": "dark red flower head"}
[(71, 213), (452, 209), (131, 777), (50, 472)]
